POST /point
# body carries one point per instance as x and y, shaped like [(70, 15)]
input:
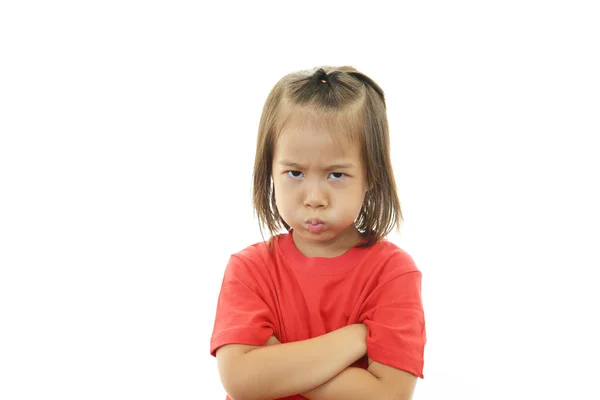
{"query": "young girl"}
[(330, 309)]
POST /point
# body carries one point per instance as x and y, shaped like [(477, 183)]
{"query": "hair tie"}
[(369, 82), (321, 75)]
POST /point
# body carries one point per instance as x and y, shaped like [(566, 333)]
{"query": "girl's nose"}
[(315, 196)]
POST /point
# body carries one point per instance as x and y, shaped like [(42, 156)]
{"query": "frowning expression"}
[(319, 180)]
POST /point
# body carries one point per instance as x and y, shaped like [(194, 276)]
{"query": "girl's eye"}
[(337, 175), (295, 174)]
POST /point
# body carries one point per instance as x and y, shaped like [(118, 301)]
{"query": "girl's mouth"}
[(314, 226)]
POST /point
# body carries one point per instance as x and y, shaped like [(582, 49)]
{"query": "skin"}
[(319, 174)]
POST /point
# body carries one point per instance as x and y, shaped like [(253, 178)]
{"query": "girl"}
[(330, 309)]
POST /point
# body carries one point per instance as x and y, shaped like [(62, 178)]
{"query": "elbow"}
[(391, 395), (241, 395), (238, 374), (396, 395), (237, 385), (234, 387), (401, 396), (393, 392), (233, 391)]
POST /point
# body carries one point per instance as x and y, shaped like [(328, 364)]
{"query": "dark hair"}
[(344, 98)]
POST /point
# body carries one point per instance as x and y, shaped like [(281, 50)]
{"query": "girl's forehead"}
[(305, 126), (315, 148), (316, 137)]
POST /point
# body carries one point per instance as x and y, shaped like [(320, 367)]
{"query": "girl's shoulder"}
[(393, 257), (259, 249), (259, 253), (252, 264)]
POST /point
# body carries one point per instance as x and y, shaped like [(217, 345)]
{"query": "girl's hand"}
[(272, 340)]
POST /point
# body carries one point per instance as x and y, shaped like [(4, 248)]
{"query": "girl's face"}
[(320, 185)]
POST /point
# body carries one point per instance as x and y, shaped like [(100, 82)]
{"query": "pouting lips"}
[(314, 225)]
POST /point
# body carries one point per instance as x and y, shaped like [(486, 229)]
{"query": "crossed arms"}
[(318, 368)]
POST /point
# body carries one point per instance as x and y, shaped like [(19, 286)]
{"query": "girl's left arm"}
[(378, 382)]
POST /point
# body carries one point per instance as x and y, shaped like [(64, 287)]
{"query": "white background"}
[(127, 133)]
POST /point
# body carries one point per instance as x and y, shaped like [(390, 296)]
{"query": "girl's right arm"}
[(259, 372)]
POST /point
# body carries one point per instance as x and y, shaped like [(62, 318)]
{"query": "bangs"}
[(345, 126)]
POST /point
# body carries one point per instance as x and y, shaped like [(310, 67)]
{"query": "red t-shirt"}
[(295, 297)]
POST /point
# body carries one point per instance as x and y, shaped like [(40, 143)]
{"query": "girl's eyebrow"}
[(329, 167)]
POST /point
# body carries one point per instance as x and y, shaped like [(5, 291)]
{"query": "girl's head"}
[(322, 165)]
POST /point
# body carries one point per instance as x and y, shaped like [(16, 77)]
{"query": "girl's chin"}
[(318, 234), (314, 231)]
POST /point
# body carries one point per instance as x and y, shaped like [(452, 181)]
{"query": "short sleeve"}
[(396, 324), (242, 316)]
